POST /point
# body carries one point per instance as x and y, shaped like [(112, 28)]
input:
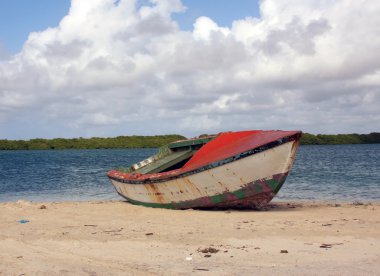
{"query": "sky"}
[(85, 68)]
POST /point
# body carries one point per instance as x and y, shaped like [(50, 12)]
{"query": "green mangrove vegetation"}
[(157, 141), (119, 142), (340, 139)]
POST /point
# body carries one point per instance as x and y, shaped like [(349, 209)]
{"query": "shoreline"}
[(274, 201), (155, 148), (140, 141), (115, 238)]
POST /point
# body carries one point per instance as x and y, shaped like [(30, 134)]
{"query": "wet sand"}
[(117, 238)]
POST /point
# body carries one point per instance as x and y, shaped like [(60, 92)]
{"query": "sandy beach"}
[(117, 238)]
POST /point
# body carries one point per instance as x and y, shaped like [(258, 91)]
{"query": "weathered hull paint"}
[(253, 195), (251, 181)]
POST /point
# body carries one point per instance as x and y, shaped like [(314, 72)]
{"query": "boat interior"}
[(171, 157)]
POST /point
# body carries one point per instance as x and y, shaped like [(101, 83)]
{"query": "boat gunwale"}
[(164, 177)]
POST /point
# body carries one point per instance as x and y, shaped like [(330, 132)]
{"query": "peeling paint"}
[(249, 196)]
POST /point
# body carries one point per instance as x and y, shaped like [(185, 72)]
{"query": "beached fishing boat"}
[(231, 169)]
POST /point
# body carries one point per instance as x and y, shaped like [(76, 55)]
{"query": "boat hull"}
[(251, 181)]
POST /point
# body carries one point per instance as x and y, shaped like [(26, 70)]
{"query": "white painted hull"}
[(224, 179)]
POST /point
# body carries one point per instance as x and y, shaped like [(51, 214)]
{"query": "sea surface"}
[(323, 173)]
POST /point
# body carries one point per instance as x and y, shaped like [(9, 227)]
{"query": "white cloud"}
[(114, 68), (205, 28), (96, 119), (199, 123)]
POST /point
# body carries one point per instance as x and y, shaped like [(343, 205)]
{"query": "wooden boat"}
[(231, 169)]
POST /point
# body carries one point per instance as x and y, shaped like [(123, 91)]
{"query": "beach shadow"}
[(271, 207)]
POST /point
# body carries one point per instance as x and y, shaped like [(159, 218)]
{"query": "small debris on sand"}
[(42, 207), (209, 250), (284, 251), (116, 230), (329, 245)]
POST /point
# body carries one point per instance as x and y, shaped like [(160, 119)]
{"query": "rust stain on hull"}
[(154, 193)]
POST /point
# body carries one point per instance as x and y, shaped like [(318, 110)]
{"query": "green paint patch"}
[(240, 194), (272, 183), (279, 184), (258, 188), (218, 198)]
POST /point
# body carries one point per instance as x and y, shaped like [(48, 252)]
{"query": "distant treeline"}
[(122, 142), (91, 143), (338, 139)]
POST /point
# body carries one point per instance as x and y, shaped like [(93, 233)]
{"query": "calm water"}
[(341, 173)]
